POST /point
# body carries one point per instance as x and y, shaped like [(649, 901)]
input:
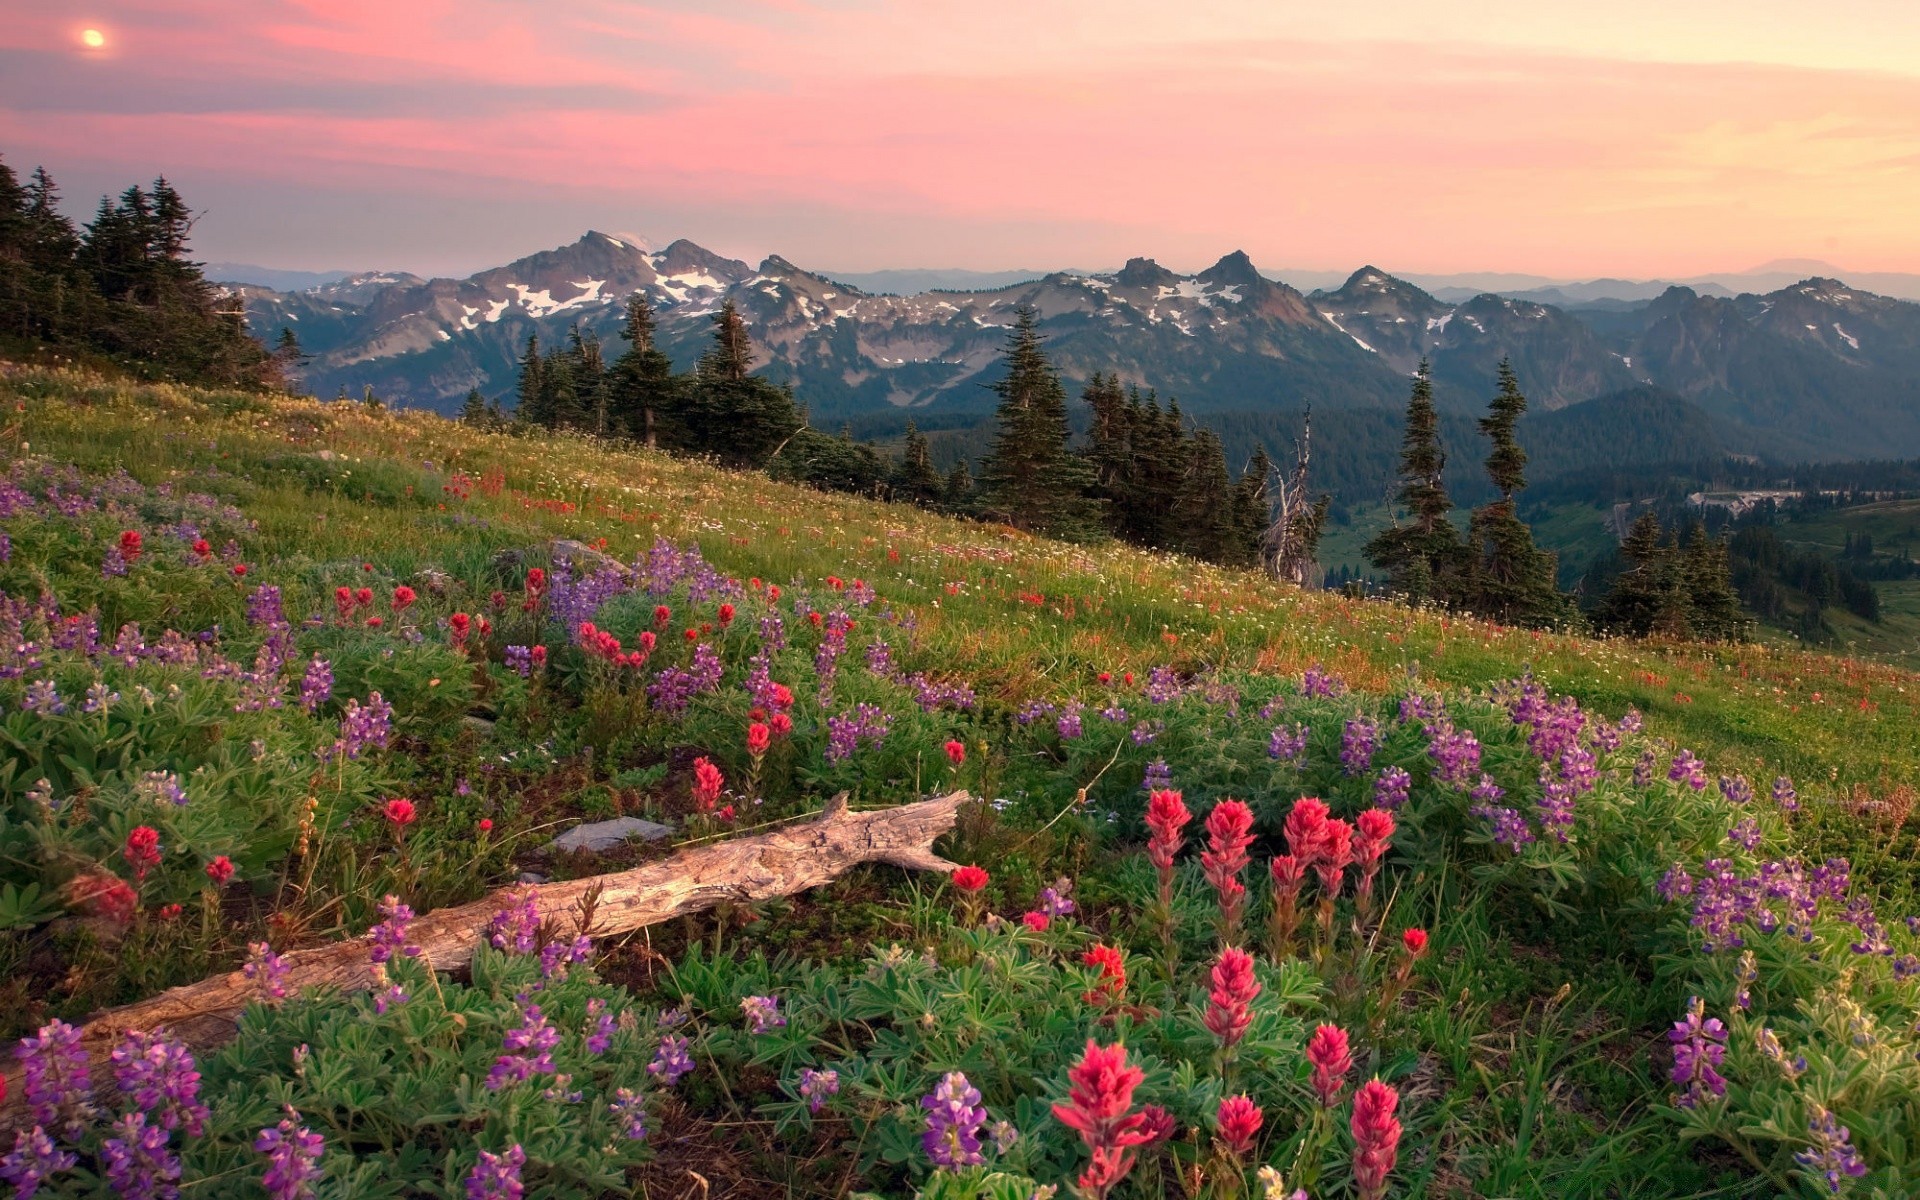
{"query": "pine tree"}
[(641, 387), (288, 357), (914, 479), (739, 418), (1251, 511), (1110, 452), (1422, 555), (561, 396), (474, 410), (534, 407), (588, 373), (1032, 479), (957, 495), (731, 357), (1641, 596), (1509, 579), (1714, 605), (1205, 509)]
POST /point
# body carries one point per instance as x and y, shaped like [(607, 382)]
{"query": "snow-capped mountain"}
[(1816, 364)]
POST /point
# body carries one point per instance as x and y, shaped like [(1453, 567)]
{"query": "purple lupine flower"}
[(1735, 789), (1114, 713), (1145, 732), (1578, 769), (1747, 975), (1068, 724), (1784, 797), (672, 1018), (388, 939), (863, 723), (1699, 1046), (57, 1088), (516, 927), (1416, 707), (293, 1158), (816, 1087), (1005, 1136), (1768, 1043), (557, 955), (600, 1031), (1510, 829), (519, 660), (671, 1059), (1688, 770), (264, 608), (1358, 741), (6, 549), (1643, 769), (1556, 804), (159, 1076), (112, 565), (1320, 684), (1286, 744), (528, 1050), (43, 698), (1456, 756), (773, 634), (763, 1013), (388, 998), (629, 1109), (361, 727), (954, 1116), (1163, 686), (1034, 710), (33, 1160), (1391, 789), (497, 1176), (880, 659), (137, 1161), (1832, 1156), (1159, 776), (268, 971), (1677, 882), (1487, 791), (99, 698), (161, 787), (1055, 901), (1745, 834)]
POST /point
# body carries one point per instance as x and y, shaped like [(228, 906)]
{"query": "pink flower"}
[(403, 597), (1167, 816), (1306, 829), (1099, 1095), (460, 624), (1239, 1120), (130, 544), (781, 724), (1376, 1138), (1374, 831), (661, 616), (220, 870), (1336, 853), (759, 737), (1230, 999), (707, 782), (1036, 921), (1415, 940), (142, 850), (400, 813), (1328, 1052), (1113, 974), (1229, 833), (969, 878), (956, 752), (726, 615)]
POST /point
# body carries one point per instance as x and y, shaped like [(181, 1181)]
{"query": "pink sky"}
[(446, 135)]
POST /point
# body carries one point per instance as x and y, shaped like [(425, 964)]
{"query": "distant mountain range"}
[(1812, 368)]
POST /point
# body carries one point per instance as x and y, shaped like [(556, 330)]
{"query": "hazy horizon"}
[(860, 135)]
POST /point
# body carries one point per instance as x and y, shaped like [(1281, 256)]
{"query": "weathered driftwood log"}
[(759, 867)]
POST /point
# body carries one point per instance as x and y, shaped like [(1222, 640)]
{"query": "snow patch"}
[(1846, 337), (495, 309), (1355, 337), (1436, 324), (443, 335)]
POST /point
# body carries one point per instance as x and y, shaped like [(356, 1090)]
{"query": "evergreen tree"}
[(588, 374), (1509, 579), (641, 387), (731, 357), (288, 357), (1110, 452), (1205, 509), (1421, 555), (474, 410), (1714, 605), (1251, 511), (957, 495), (534, 406), (739, 418), (914, 479), (1641, 598), (560, 397), (1032, 480)]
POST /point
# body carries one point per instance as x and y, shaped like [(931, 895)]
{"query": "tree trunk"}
[(741, 870)]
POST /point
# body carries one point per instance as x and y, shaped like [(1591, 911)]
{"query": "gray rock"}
[(605, 835), (531, 877)]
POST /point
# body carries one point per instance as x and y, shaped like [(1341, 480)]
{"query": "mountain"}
[(273, 278), (909, 281), (1814, 370)]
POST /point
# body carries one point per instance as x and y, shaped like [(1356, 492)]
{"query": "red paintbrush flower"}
[(1239, 1120), (969, 878), (1099, 1095), (1331, 1059), (1230, 999), (1376, 1138)]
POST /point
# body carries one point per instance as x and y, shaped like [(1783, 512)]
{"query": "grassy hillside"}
[(1526, 1043)]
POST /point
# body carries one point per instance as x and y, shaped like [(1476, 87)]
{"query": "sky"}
[(1639, 138)]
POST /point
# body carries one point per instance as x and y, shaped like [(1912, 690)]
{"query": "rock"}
[(606, 835), (531, 877), (478, 724), (434, 580)]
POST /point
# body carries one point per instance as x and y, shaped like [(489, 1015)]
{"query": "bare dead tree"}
[(1292, 540)]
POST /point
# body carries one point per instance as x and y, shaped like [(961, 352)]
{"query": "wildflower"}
[(361, 727), (44, 698), (1039, 922), (1288, 872), (239, 570), (1238, 1120), (1415, 941), (954, 1116), (1112, 966), (137, 1161), (1770, 1048), (629, 1109), (956, 751), (1688, 770), (516, 927), (33, 1160), (1376, 1138), (1329, 1055), (780, 724), (1054, 900), (484, 825), (267, 971), (1229, 833), (527, 1050), (202, 549), (142, 850), (293, 1158), (459, 625), (130, 541), (662, 616), (497, 1176), (759, 737), (1273, 1186), (388, 939), (707, 782), (1745, 834), (763, 1013), (57, 1087), (1784, 797), (1306, 829), (1374, 829), (1287, 744), (1167, 817), (104, 895), (969, 878), (403, 598), (1359, 738), (1336, 855), (1699, 1046), (816, 1087), (1099, 1097), (158, 1075), (1230, 999), (1391, 789), (399, 813), (671, 1059), (1831, 1156), (316, 686)]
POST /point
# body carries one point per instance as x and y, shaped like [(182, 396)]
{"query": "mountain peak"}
[(683, 256), (1235, 268), (623, 241), (1143, 272)]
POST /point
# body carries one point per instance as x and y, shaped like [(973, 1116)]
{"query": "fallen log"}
[(741, 870)]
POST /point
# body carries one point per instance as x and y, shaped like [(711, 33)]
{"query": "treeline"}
[(1142, 476), (121, 287), (1655, 586)]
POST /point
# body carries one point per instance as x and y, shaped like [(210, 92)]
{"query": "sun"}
[(92, 39)]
